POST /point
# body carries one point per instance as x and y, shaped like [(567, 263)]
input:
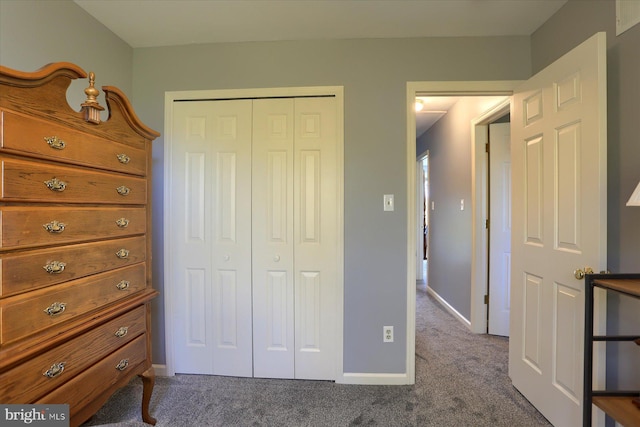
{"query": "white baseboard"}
[(347, 378), (161, 370), (450, 309), (374, 379)]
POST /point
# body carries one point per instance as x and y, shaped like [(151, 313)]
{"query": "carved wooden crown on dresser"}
[(75, 243)]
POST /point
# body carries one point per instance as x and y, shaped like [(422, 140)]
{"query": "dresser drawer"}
[(44, 267), (22, 226), (48, 140), (50, 370), (44, 182), (92, 383), (26, 314)]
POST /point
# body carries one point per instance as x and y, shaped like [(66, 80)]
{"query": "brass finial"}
[(91, 91), (91, 106)]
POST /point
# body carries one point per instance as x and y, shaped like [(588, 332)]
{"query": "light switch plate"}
[(388, 202)]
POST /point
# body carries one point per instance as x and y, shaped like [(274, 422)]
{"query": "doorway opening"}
[(466, 203), (564, 187), (455, 123)]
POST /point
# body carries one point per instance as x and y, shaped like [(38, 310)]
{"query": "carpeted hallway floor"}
[(461, 380)]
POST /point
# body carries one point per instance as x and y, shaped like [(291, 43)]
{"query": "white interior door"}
[(211, 189), (559, 225), (273, 249), (500, 228), (316, 237), (420, 198), (294, 238), (253, 186)]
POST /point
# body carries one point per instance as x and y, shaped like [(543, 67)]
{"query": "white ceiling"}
[(434, 107), (151, 23), (147, 23)]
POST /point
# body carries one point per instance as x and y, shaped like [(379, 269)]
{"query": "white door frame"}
[(170, 97), (443, 88)]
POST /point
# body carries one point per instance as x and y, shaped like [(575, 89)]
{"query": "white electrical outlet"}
[(387, 334)]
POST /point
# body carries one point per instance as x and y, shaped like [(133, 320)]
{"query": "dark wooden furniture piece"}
[(619, 405), (75, 243)]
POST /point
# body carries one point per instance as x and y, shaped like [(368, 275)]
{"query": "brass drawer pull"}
[(55, 308), (55, 267), (123, 285), (55, 370), (122, 222), (55, 142), (122, 253), (123, 191), (124, 363), (54, 184), (123, 158), (121, 332), (54, 227)]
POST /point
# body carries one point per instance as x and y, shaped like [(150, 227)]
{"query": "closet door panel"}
[(191, 271), (277, 324), (309, 320), (232, 237), (310, 203), (315, 235), (211, 165), (272, 224)]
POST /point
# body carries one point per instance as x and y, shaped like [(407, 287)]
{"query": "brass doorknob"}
[(580, 273)]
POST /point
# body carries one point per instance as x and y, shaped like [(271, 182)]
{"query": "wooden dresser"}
[(75, 243)]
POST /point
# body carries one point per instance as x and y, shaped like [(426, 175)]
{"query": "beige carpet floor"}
[(461, 380)]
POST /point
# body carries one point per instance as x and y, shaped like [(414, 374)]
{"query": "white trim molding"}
[(455, 313), (161, 370), (374, 379)]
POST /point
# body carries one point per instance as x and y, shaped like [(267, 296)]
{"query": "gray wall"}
[(35, 33), (374, 74), (572, 24), (450, 229)]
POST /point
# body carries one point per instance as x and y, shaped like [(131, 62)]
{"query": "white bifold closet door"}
[(211, 204), (259, 179)]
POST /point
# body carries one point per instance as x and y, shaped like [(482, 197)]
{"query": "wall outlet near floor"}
[(387, 334)]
